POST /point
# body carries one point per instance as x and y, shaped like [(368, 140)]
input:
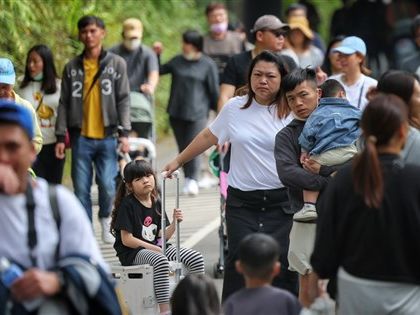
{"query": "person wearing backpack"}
[(45, 233)]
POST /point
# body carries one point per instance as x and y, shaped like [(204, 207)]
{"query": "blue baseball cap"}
[(14, 113), (351, 45), (7, 71)]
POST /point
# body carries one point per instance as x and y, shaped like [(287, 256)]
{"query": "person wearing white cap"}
[(7, 81), (354, 76)]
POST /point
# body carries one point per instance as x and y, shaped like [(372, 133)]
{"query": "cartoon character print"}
[(45, 112), (149, 229)]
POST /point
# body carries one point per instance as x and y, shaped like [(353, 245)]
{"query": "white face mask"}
[(192, 55), (132, 44)]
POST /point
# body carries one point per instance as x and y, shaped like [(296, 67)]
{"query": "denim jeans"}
[(102, 154), (257, 211)]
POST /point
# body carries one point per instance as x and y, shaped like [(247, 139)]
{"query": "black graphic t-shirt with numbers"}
[(142, 222)]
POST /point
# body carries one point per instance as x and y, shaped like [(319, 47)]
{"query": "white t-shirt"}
[(76, 231), (252, 133), (356, 93)]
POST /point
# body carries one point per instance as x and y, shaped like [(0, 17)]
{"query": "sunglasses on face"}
[(276, 33)]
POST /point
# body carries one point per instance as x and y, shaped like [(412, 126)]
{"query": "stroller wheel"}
[(218, 271)]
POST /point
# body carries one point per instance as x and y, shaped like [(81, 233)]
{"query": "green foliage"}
[(25, 23)]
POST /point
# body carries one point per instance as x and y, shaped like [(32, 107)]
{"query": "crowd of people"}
[(322, 164)]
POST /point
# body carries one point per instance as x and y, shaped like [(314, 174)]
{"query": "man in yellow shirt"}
[(94, 102)]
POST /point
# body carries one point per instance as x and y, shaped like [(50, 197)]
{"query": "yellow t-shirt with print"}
[(93, 123)]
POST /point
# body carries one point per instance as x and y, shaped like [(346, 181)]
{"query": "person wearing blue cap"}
[(354, 77), (7, 81)]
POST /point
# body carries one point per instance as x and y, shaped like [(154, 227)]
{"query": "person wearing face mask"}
[(220, 43), (142, 70), (194, 90), (41, 87), (7, 82)]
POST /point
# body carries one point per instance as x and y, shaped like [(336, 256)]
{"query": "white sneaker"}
[(185, 190), (107, 237), (306, 214), (208, 182), (192, 187)]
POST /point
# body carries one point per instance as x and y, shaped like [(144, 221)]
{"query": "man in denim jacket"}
[(328, 137)]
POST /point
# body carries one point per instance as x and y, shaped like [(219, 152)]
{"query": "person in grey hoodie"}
[(94, 102)]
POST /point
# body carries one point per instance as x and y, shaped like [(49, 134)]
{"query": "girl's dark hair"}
[(133, 170), (49, 83), (326, 66), (195, 294), (268, 56), (194, 38), (381, 119), (400, 83)]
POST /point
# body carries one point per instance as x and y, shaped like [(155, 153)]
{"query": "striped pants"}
[(192, 259)]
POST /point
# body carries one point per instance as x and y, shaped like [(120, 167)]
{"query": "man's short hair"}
[(214, 6), (88, 20), (296, 77), (12, 113), (194, 38), (258, 253), (331, 88)]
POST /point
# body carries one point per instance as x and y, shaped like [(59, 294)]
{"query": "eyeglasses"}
[(276, 33)]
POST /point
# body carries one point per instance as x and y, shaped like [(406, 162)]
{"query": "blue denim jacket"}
[(334, 124)]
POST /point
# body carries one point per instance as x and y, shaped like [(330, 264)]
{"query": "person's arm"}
[(226, 92), (61, 122), (122, 100), (171, 228), (212, 82), (133, 242), (289, 170), (204, 140), (153, 74)]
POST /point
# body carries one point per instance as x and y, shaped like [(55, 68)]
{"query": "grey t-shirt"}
[(221, 50), (262, 301), (140, 63)]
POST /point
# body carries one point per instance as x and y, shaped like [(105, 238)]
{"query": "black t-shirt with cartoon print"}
[(143, 222)]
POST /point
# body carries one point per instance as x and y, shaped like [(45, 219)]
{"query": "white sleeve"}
[(76, 231), (220, 126)]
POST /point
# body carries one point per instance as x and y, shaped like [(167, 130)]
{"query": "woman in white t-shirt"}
[(257, 201), (354, 76), (41, 87)]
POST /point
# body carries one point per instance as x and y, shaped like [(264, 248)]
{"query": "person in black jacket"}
[(369, 218), (300, 93)]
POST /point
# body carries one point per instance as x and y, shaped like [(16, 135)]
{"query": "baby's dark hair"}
[(133, 170), (258, 253), (331, 88)]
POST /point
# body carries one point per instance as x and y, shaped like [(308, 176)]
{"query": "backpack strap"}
[(30, 208), (52, 195)]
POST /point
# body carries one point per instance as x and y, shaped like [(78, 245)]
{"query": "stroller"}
[(142, 115), (216, 167)]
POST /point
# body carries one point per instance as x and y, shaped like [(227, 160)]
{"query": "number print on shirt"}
[(77, 89), (106, 87)]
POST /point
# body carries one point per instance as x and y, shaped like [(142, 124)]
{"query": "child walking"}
[(328, 138), (136, 226)]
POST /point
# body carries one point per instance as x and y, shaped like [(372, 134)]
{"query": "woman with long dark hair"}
[(41, 87), (257, 200), (369, 220)]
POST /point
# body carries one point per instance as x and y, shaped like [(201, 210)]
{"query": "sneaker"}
[(192, 187), (185, 190), (208, 182), (107, 237), (306, 214)]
